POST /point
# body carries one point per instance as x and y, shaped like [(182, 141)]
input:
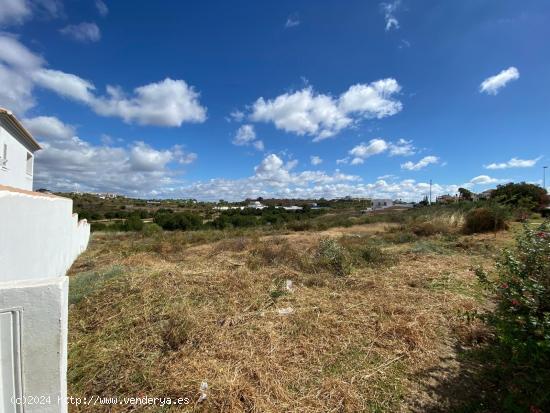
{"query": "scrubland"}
[(370, 317)]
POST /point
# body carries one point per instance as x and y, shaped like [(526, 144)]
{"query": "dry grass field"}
[(365, 318)]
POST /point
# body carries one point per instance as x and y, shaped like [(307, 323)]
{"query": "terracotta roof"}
[(24, 133)]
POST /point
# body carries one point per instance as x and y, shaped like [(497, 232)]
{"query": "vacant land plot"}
[(352, 319)]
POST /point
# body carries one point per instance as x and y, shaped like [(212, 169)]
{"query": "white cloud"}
[(236, 115), (377, 146), (82, 32), (514, 163), (13, 12), (315, 160), (65, 84), (342, 161), (372, 100), (246, 135), (66, 161), (402, 148), (101, 8), (16, 61), (305, 112), (165, 103), (493, 84), (48, 127), (274, 178), (374, 147), (484, 180), (424, 162), (292, 21), (14, 54), (389, 10)]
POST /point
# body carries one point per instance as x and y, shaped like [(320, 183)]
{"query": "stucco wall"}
[(39, 236), (14, 172)]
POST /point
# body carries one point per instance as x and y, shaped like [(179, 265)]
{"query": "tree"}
[(465, 194), (521, 195)]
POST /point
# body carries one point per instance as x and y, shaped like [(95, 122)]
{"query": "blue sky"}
[(219, 99)]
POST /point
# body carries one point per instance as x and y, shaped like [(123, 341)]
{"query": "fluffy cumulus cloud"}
[(421, 164), (274, 177), (246, 135), (492, 85), (306, 112), (359, 153), (315, 160), (514, 163), (165, 103), (49, 128), (389, 10), (67, 162), (82, 32)]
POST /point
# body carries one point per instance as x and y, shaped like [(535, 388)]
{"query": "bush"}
[(151, 229), (484, 220), (428, 228), (522, 287), (133, 223), (332, 256), (521, 319), (374, 256)]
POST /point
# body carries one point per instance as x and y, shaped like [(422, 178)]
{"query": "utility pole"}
[(430, 191), (544, 176)]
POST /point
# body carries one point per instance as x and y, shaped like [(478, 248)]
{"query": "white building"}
[(17, 148), (40, 237), (256, 205), (381, 203)]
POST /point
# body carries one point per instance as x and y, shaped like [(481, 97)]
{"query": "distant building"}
[(381, 203), (256, 205), (486, 194), (293, 208), (17, 148), (446, 199)]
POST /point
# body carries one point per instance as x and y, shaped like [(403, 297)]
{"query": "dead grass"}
[(185, 311)]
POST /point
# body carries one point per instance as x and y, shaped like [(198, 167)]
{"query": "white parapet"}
[(40, 238)]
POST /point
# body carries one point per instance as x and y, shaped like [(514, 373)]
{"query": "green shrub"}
[(151, 229), (485, 220), (133, 223), (522, 286), (521, 320), (373, 255), (332, 256)]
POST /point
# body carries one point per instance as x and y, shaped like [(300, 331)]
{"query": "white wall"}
[(40, 238), (39, 235), (14, 171)]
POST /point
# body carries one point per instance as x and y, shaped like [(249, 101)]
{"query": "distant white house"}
[(17, 148), (256, 205), (381, 203)]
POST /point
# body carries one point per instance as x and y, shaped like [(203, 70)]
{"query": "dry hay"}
[(177, 317)]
